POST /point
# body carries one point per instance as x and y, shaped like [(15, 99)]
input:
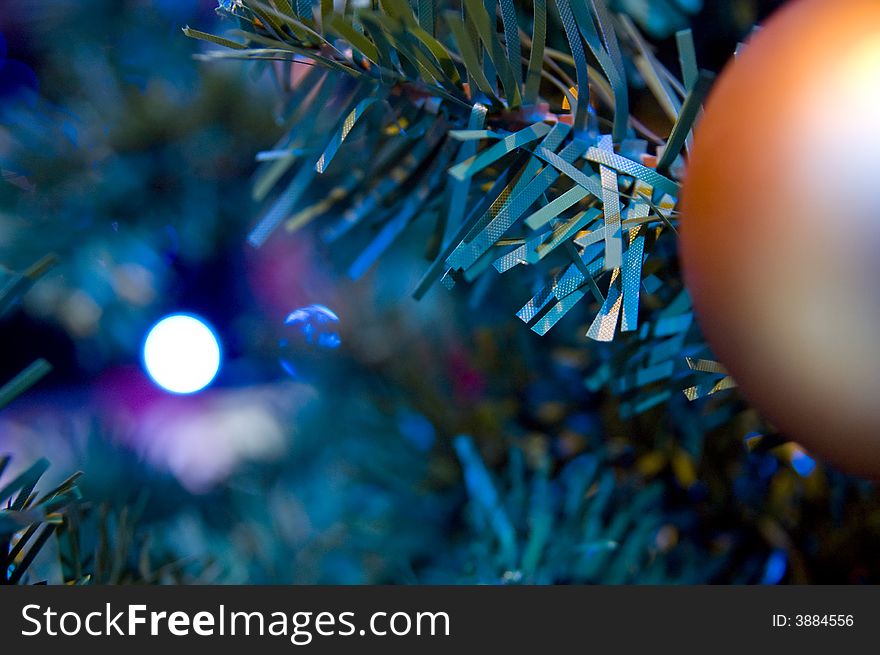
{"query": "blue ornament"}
[(309, 333)]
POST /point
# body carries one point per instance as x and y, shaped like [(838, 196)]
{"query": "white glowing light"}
[(181, 353)]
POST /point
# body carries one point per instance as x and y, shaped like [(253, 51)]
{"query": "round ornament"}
[(780, 226), (309, 333)]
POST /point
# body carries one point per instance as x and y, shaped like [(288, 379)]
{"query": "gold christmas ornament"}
[(780, 226)]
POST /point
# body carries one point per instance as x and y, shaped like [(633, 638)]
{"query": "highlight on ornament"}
[(182, 354)]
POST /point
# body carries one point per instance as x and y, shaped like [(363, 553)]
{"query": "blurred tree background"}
[(135, 164)]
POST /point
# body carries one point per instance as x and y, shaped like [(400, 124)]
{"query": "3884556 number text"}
[(813, 621)]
